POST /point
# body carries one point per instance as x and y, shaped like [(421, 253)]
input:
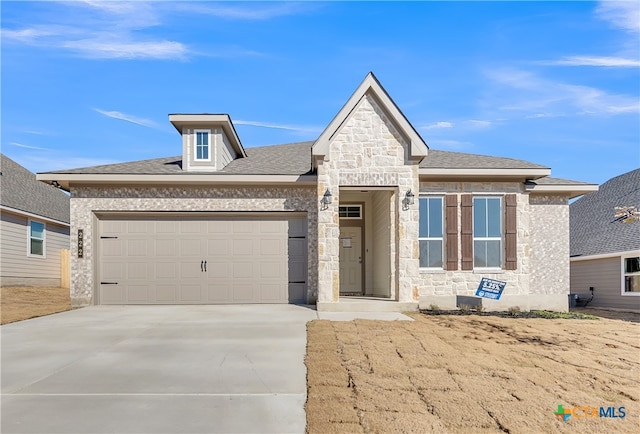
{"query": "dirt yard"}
[(23, 302), (472, 374)]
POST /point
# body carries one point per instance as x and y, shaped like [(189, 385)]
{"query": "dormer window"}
[(203, 145)]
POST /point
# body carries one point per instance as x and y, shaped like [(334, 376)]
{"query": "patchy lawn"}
[(471, 374), (18, 303)]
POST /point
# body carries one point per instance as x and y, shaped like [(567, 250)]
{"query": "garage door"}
[(202, 260)]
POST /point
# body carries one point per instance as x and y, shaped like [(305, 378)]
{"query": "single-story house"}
[(367, 209), (605, 244), (34, 228)]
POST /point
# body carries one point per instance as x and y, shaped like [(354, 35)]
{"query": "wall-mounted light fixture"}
[(408, 200), (326, 199)]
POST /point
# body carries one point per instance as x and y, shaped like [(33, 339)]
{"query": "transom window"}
[(350, 211), (202, 146), (430, 237), (36, 238), (631, 274), (487, 232)]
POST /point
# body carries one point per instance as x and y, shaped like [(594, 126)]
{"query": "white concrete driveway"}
[(156, 369)]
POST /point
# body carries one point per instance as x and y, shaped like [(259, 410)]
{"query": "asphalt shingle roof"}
[(458, 160), (593, 230), (548, 180), (295, 159), (20, 190)]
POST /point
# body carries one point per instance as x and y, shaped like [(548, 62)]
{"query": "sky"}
[(92, 82)]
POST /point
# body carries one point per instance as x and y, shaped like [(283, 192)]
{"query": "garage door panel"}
[(166, 247), (166, 293), (218, 247), (190, 293), (138, 293), (218, 269), (161, 261)]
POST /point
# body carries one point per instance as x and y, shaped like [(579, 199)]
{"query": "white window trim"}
[(359, 206), (442, 208), (623, 274), (474, 238), (195, 144), (44, 239)]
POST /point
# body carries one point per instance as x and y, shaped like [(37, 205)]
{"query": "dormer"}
[(209, 142)]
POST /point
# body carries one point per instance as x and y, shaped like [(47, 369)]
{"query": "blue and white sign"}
[(490, 288)]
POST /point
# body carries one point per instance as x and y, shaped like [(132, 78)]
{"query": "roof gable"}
[(371, 86)]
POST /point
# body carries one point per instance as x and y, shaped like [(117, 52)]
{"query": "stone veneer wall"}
[(85, 201), (368, 151), (452, 283), (549, 244)]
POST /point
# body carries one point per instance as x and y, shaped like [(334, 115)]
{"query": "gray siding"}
[(604, 275), (225, 153), (16, 268)]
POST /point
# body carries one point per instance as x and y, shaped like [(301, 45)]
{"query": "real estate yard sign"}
[(490, 288)]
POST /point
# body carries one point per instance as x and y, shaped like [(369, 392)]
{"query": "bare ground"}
[(471, 374), (18, 303)]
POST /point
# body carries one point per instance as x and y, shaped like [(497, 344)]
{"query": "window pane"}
[(37, 230), (493, 215), (37, 247), (202, 139), (430, 253), (493, 254), (435, 217), (479, 217), (424, 218), (479, 254), (632, 265), (632, 284), (205, 152)]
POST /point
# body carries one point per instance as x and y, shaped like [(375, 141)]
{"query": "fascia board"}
[(32, 215), (604, 256), (573, 190), (65, 180)]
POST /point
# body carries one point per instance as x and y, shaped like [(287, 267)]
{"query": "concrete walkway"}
[(156, 369)]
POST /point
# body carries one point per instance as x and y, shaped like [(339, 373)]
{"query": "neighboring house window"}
[(487, 232), (430, 237), (36, 238), (203, 148), (631, 270)]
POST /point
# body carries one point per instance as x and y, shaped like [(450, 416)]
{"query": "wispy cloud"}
[(596, 61), (524, 91), (99, 48), (22, 145), (622, 14), (297, 128), (436, 125), (478, 123), (250, 11), (127, 118)]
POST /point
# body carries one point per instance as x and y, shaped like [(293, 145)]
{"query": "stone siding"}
[(368, 151), (549, 244), (86, 201), (452, 283)]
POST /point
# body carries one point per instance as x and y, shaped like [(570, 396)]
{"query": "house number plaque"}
[(80, 243)]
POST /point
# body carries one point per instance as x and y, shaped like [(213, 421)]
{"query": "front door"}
[(351, 261)]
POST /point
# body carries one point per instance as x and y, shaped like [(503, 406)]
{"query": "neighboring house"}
[(34, 227), (366, 209), (605, 250)]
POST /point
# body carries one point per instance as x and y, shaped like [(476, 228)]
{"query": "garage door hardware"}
[(108, 238), (203, 266), (108, 283)]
